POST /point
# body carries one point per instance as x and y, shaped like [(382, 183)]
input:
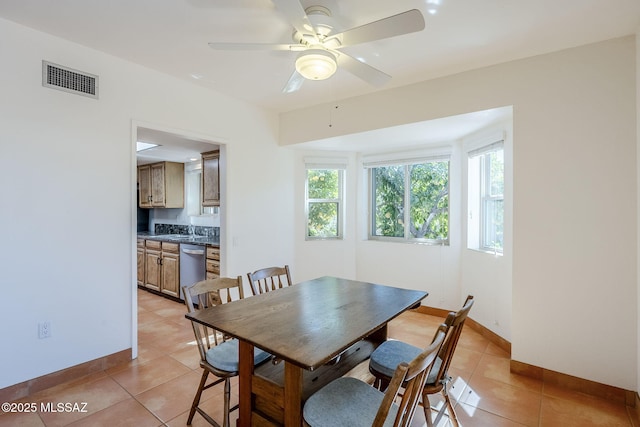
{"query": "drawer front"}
[(213, 266), (141, 243), (211, 275), (170, 247), (153, 244), (213, 253)]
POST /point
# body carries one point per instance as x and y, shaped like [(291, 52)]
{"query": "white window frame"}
[(406, 163), (480, 196), (326, 164)]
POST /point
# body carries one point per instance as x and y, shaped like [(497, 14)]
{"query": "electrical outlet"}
[(44, 329)]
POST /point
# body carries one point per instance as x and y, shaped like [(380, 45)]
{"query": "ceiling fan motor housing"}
[(323, 26)]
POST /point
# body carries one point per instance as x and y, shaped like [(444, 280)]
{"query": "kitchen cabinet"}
[(161, 185), (152, 269), (144, 186), (170, 263), (162, 267), (140, 250), (213, 262), (211, 179)]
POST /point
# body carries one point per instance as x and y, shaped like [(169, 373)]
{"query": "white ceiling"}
[(171, 147), (172, 36), (406, 137)]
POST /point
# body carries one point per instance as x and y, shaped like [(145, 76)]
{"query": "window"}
[(410, 201), (486, 198), (324, 203)]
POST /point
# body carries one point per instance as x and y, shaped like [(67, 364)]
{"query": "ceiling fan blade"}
[(366, 72), (296, 15), (256, 46), (396, 25), (294, 83)]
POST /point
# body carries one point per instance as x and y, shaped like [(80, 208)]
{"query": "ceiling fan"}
[(319, 47)]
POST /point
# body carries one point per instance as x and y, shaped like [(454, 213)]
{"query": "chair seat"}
[(386, 358), (346, 402), (224, 356)]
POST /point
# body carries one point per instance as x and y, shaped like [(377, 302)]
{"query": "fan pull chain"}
[(331, 116)]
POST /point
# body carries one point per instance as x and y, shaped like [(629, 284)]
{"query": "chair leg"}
[(382, 384), (452, 412), (448, 407), (426, 405), (196, 399), (227, 402)]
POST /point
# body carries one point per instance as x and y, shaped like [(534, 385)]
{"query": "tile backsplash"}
[(184, 229)]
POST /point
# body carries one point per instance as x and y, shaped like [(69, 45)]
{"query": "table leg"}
[(292, 395), (245, 372), (380, 335)]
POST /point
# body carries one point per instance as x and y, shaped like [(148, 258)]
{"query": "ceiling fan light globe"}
[(316, 64)]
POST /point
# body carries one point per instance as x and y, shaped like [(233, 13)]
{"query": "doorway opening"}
[(183, 150)]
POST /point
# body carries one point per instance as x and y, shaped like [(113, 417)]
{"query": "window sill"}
[(486, 251), (322, 239), (407, 241)]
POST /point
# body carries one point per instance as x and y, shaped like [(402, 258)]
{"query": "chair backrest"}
[(269, 279), (209, 293), (455, 322), (412, 376)]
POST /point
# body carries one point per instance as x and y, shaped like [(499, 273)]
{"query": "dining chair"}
[(269, 279), (348, 401), (218, 353), (389, 354)]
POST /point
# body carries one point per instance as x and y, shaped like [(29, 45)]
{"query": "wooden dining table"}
[(317, 330)]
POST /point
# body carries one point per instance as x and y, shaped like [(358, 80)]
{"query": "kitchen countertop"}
[(182, 238)]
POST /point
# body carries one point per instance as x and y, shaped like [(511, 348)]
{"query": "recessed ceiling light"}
[(432, 6), (141, 146)]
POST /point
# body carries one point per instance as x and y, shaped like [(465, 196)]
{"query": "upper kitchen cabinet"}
[(211, 178), (144, 186), (161, 185)]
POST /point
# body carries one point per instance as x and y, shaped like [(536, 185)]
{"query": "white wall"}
[(638, 187), (574, 196), (448, 272), (574, 153), (435, 269), (315, 258), (67, 184), (487, 276)]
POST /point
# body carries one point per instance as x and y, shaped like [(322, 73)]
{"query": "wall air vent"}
[(69, 80)]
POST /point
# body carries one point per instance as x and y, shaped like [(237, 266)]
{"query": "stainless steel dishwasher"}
[(192, 265)]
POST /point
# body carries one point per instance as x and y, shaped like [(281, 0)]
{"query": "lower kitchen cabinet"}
[(140, 251), (162, 267), (152, 268), (213, 262), (170, 262)]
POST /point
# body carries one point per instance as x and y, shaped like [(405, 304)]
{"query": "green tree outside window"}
[(324, 194), (411, 201)]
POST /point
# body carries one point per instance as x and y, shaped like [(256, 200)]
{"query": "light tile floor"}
[(156, 389)]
